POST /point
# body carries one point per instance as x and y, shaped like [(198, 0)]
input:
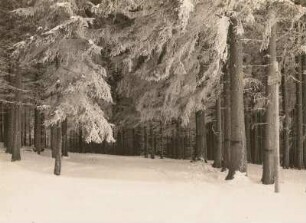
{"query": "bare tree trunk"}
[(25, 126), (200, 152), (299, 107), (80, 140), (64, 138), (254, 136), (142, 143), (152, 142), (21, 126), (248, 124), (184, 144), (271, 152), (123, 147), (10, 114), (53, 140), (6, 127), (178, 146), (173, 144), (43, 133), (29, 127), (286, 127), (11, 117), (218, 150), (1, 122), (161, 142), (58, 150), (37, 131), (304, 106), (227, 119), (16, 144), (146, 140), (238, 147), (154, 146)]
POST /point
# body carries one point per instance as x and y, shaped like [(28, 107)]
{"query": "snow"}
[(186, 8), (104, 188)]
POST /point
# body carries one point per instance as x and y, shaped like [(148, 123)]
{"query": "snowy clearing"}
[(105, 188)]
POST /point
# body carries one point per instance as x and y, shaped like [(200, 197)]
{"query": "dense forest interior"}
[(218, 83)]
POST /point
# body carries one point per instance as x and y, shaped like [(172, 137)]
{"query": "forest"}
[(200, 80), (218, 82)]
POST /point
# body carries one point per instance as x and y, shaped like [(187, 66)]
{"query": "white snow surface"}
[(104, 188)]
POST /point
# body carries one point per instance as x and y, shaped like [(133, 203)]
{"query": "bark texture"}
[(237, 146)]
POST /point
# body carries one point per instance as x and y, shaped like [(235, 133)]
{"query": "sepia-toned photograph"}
[(152, 111)]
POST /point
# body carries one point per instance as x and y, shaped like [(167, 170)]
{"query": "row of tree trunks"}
[(293, 140), (7, 119)]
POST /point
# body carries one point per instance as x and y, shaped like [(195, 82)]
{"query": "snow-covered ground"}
[(103, 188)]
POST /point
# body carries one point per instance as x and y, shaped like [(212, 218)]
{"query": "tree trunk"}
[(292, 150), (184, 140), (256, 138), (6, 129), (29, 128), (10, 118), (10, 134), (218, 150), (58, 150), (161, 143), (271, 149), (1, 123), (123, 146), (43, 132), (286, 127), (64, 138), (37, 131), (227, 119), (146, 139), (25, 126), (16, 144), (304, 106), (173, 144), (53, 140), (152, 140), (22, 126), (248, 124), (200, 152), (80, 141), (299, 108), (238, 147), (178, 146), (142, 139)]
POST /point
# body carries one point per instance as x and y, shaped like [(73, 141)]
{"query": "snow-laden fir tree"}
[(74, 79)]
